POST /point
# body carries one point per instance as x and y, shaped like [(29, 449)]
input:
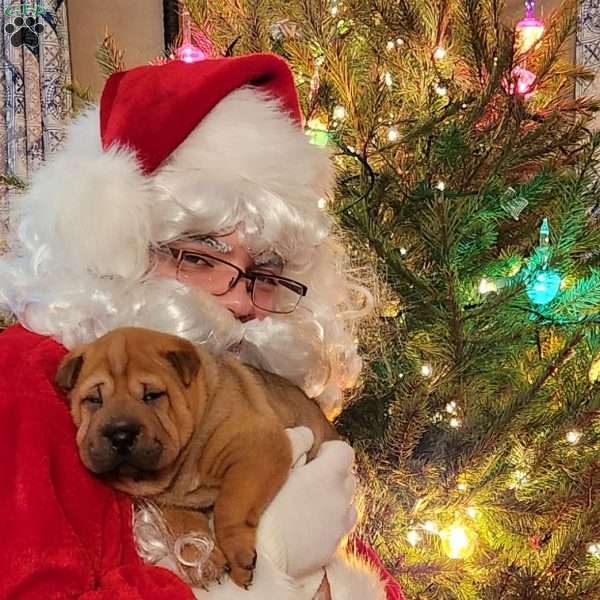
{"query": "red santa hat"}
[(182, 147), (153, 109)]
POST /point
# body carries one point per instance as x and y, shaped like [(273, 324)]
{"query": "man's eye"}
[(94, 400), (266, 280), (193, 259), (151, 396)]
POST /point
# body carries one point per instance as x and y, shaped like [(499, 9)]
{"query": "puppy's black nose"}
[(122, 436)]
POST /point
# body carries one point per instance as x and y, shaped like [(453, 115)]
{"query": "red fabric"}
[(392, 587), (63, 533), (153, 108)]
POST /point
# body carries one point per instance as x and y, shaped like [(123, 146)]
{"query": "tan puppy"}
[(161, 419)]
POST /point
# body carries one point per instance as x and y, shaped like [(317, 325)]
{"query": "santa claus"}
[(190, 201)]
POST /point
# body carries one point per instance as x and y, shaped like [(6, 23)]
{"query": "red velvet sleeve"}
[(63, 533)]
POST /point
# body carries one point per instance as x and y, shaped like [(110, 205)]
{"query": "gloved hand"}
[(313, 511)]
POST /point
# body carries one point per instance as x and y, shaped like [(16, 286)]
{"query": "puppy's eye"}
[(151, 396), (93, 400)]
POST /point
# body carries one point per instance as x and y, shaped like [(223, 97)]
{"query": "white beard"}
[(289, 345)]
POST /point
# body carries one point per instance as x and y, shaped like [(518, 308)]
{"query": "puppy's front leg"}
[(258, 466), (194, 524)]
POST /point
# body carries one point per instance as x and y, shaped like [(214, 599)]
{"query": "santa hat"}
[(153, 109), (177, 147)]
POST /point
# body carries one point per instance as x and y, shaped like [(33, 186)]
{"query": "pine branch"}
[(108, 56)]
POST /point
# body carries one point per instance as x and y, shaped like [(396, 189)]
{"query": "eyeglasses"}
[(271, 293)]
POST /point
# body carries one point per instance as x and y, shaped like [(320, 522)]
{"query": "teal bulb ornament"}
[(544, 287)]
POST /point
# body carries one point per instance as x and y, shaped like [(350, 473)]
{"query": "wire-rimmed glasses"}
[(268, 292)]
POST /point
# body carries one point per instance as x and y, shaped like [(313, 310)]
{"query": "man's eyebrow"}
[(269, 261), (212, 242)]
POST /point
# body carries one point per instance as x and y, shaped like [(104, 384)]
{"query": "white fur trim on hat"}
[(88, 208), (247, 163)]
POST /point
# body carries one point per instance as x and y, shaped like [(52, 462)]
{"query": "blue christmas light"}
[(544, 287)]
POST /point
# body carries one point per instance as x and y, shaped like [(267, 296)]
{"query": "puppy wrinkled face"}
[(129, 403)]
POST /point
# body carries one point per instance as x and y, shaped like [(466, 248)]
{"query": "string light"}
[(413, 537), (403, 251), (455, 422), (339, 112), (461, 487), (594, 550), (472, 512), (387, 77), (390, 45), (440, 185), (529, 30), (439, 53), (573, 436), (322, 203), (393, 134), (458, 541), (426, 370), (519, 479), (430, 526), (441, 90), (487, 285), (451, 407), (188, 52)]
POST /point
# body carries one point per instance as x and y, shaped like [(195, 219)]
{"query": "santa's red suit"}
[(174, 148), (65, 534)]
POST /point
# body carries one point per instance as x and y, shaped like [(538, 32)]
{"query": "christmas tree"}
[(467, 176)]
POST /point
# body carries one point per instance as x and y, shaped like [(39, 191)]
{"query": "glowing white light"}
[(573, 436), (451, 407), (439, 53), (339, 112), (413, 537), (390, 45), (487, 285), (594, 550), (440, 185), (455, 422), (387, 77), (441, 90), (472, 512), (393, 134), (461, 487), (426, 370), (430, 526), (403, 251), (322, 203)]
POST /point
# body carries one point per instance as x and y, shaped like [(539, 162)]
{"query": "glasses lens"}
[(274, 294), (206, 272)]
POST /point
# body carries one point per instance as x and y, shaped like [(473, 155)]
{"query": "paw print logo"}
[(24, 32)]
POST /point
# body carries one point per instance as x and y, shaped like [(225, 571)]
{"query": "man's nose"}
[(239, 301)]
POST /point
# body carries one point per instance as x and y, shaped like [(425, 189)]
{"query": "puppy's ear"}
[(68, 372), (185, 362)]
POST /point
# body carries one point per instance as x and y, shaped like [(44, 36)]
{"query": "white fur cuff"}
[(350, 578)]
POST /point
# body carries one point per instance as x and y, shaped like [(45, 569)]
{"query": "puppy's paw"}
[(241, 556), (214, 568)]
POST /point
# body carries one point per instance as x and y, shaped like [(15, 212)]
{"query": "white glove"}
[(304, 524)]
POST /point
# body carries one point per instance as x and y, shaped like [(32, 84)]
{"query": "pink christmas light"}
[(196, 46), (529, 30)]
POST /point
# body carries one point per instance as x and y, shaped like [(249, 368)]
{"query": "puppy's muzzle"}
[(122, 436)]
